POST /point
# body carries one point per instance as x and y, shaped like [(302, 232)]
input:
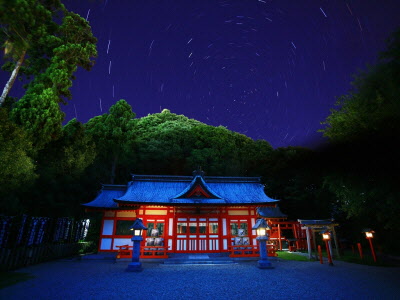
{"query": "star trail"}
[(268, 69)]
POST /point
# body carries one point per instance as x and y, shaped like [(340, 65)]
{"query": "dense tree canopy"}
[(174, 144), (61, 165), (363, 159), (372, 108), (163, 143), (294, 175), (17, 167), (47, 43), (27, 27), (113, 134), (43, 44)]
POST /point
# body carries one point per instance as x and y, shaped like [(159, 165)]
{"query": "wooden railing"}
[(244, 251), (125, 251), (153, 252), (250, 250)]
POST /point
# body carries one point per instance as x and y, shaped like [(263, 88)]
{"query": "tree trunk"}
[(13, 76)]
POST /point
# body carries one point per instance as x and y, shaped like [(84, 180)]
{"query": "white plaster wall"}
[(105, 244), (108, 227)]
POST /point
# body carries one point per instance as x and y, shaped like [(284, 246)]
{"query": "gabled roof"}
[(199, 189), (186, 190), (106, 196)]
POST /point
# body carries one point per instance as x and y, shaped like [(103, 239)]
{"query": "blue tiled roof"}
[(166, 190), (270, 212), (241, 192), (105, 198), (147, 191)]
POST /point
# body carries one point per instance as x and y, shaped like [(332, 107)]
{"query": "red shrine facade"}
[(185, 214)]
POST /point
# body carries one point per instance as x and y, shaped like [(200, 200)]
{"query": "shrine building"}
[(185, 214)]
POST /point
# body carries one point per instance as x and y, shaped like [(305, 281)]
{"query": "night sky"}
[(267, 69)]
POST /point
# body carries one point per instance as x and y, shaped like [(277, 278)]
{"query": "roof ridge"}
[(190, 178)]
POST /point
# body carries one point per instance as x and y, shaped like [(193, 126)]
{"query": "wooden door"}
[(197, 235)]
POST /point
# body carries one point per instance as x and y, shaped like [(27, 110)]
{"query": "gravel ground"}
[(65, 279)]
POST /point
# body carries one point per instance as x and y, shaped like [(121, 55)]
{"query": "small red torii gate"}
[(318, 226)]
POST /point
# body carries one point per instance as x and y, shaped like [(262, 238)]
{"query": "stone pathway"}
[(88, 279)]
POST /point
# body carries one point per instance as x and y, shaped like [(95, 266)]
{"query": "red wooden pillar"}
[(328, 252), (360, 250), (372, 249), (320, 254), (279, 237), (296, 234)]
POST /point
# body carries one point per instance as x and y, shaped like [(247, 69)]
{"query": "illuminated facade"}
[(183, 214)]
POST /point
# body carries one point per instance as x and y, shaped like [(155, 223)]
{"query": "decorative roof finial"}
[(198, 172)]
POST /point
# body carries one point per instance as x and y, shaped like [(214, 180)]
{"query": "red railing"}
[(250, 251), (125, 251), (153, 252)]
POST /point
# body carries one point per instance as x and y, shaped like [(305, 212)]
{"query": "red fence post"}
[(329, 253), (360, 250), (320, 254), (372, 249)]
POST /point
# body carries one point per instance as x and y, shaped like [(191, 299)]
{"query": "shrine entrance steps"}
[(205, 258), (199, 259)]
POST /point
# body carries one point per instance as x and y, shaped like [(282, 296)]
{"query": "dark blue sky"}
[(268, 69)]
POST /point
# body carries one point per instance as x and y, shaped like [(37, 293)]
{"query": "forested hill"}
[(107, 149), (167, 143)]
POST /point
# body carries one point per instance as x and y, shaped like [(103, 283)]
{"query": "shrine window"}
[(213, 227), (123, 227), (181, 227), (155, 228)]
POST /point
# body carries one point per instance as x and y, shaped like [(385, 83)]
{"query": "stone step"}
[(172, 261), (198, 259)]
